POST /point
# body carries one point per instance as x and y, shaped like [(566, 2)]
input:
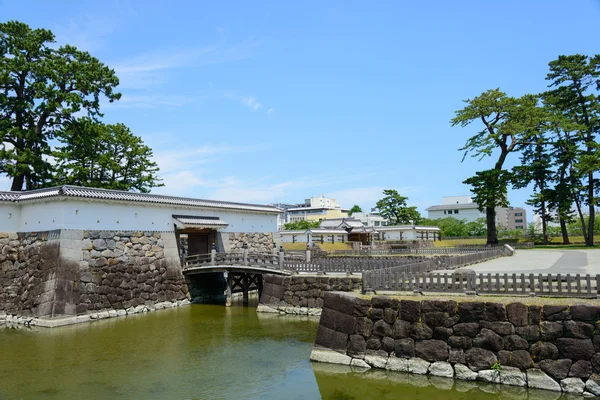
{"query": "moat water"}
[(203, 352)]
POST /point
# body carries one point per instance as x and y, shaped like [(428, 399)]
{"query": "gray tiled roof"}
[(194, 221), (118, 195), (453, 207)]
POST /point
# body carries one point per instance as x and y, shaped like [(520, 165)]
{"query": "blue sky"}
[(277, 101)]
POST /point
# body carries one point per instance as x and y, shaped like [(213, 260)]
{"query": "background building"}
[(463, 208), (313, 209), (370, 219)]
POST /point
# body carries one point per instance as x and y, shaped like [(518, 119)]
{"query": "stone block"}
[(428, 306), (512, 376), (517, 314), (558, 369), (535, 315), (515, 342), (461, 342), (572, 385), (488, 339), (578, 329), (356, 345), (358, 363), (581, 369), (575, 349), (338, 321), (442, 333), (478, 358), (361, 307), (543, 351), (519, 359), (432, 350), (585, 312), (456, 356), (376, 361), (593, 384), (397, 364), (401, 329), (387, 344), (555, 313), (329, 356), (538, 379), (330, 339), (471, 311), (375, 314), (418, 366), (495, 312), (420, 331), (466, 329), (462, 372), (435, 318), (389, 315), (410, 310), (551, 330), (373, 343), (530, 333), (381, 328), (381, 302), (489, 376), (441, 368), (404, 347)]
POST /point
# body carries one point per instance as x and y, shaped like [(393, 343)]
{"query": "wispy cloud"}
[(148, 69), (87, 33), (150, 101), (247, 101)]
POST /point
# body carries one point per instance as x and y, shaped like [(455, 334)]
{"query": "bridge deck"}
[(234, 268)]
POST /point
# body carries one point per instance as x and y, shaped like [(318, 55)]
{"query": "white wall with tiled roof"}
[(92, 214)]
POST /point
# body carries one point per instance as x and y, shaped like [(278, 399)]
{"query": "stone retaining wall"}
[(257, 242), (301, 294), (547, 347)]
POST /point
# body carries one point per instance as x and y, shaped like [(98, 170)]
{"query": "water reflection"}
[(338, 382)]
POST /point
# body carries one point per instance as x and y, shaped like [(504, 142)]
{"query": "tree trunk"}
[(490, 218), (17, 183), (589, 241), (582, 221), (563, 230), (544, 224)]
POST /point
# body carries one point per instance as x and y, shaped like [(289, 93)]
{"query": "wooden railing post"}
[(245, 252), (281, 257), (307, 253), (213, 255)]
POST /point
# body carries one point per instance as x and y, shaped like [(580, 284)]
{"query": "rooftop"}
[(68, 191), (459, 206)]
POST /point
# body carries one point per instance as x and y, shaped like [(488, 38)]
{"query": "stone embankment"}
[(90, 317), (302, 294), (552, 347)]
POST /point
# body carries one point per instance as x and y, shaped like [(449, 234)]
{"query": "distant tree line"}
[(554, 133), (51, 129)]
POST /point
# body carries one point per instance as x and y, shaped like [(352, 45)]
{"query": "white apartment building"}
[(463, 208), (372, 219)]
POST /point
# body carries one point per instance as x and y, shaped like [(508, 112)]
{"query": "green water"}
[(202, 352)]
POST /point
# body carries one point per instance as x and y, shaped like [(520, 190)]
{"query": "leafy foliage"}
[(355, 208), (301, 225), (41, 88), (452, 227), (104, 156), (393, 207)]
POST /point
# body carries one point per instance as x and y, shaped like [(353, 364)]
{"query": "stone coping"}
[(532, 378), (47, 322)]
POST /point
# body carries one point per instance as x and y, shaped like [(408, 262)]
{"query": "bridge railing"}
[(245, 257)]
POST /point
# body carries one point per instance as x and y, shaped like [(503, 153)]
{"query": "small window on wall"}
[(455, 211), (518, 220), (519, 226)]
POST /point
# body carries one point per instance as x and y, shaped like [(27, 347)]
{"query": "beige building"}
[(315, 209)]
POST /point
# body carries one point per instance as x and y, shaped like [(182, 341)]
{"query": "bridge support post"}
[(245, 252), (307, 253), (245, 288), (213, 255), (281, 257), (228, 300), (259, 283)]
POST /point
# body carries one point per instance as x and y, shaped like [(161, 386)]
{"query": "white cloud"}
[(149, 101), (247, 101), (5, 182), (148, 69), (88, 33)]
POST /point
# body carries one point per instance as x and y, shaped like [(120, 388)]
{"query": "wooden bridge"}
[(243, 269)]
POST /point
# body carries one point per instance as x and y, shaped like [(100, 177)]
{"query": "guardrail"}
[(556, 285), (391, 278)]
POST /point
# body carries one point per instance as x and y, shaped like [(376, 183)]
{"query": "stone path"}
[(545, 262)]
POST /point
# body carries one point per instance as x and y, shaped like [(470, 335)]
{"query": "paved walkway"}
[(544, 262)]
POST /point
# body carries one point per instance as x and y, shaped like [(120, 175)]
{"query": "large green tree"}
[(393, 207), (507, 124), (104, 156), (355, 209), (301, 225), (575, 86), (41, 88)]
